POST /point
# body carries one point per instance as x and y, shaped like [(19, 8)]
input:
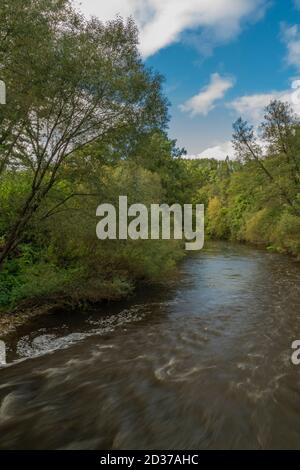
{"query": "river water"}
[(203, 363)]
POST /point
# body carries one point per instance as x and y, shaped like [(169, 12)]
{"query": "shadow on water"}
[(202, 363)]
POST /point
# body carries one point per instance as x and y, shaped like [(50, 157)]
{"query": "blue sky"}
[(220, 59)]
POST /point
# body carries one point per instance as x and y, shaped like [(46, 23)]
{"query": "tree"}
[(279, 162), (280, 130), (23, 65), (88, 83)]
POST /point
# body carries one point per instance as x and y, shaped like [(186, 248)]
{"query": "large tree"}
[(81, 82)]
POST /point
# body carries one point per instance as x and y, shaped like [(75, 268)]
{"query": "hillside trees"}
[(279, 160)]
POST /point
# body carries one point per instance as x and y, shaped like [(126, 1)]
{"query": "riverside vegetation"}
[(85, 122)]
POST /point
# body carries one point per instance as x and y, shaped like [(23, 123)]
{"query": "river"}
[(203, 363)]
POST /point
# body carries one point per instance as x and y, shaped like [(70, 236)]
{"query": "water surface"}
[(202, 363)]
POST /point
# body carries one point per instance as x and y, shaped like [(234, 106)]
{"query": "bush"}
[(217, 225), (286, 236), (258, 227)]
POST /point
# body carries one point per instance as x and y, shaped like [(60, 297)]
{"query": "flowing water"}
[(204, 362)]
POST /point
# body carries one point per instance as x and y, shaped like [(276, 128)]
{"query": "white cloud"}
[(297, 4), (252, 106), (291, 37), (219, 152), (205, 100), (161, 22)]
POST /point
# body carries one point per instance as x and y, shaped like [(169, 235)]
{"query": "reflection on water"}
[(204, 363)]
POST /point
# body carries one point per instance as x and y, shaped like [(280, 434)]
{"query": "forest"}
[(86, 121)]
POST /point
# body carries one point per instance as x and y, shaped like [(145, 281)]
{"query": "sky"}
[(221, 59)]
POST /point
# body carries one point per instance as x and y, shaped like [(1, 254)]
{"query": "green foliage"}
[(286, 234), (84, 123), (257, 197), (217, 219), (62, 259), (259, 226)]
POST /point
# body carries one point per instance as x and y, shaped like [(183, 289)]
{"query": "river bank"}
[(10, 321)]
